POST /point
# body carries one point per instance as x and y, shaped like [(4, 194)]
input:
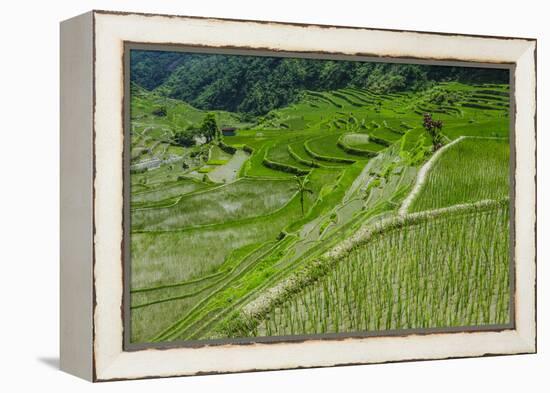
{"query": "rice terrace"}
[(293, 196)]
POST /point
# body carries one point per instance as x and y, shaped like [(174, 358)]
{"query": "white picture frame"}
[(92, 194)]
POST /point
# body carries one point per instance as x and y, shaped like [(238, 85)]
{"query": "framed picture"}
[(246, 195)]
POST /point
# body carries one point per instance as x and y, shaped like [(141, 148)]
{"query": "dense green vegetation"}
[(239, 188), (472, 170), (256, 85)]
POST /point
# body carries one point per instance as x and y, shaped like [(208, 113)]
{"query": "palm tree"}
[(302, 189)]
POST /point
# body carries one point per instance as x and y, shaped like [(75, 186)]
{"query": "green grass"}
[(254, 166), (217, 154), (205, 169), (361, 141), (411, 138), (179, 114), (332, 184), (300, 150), (386, 134), (327, 146), (474, 169), (408, 278), (279, 153)]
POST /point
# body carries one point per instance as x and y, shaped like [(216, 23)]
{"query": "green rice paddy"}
[(474, 169), (408, 278), (216, 226)]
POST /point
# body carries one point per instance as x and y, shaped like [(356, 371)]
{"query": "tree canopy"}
[(257, 84), (209, 127)]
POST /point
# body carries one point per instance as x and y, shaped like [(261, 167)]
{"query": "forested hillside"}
[(256, 85)]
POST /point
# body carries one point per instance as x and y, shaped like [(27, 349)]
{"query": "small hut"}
[(229, 131)]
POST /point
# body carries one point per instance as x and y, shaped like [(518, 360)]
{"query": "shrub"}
[(226, 148), (209, 127), (159, 111), (185, 138)]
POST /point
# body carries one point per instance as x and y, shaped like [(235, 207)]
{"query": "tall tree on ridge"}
[(209, 127)]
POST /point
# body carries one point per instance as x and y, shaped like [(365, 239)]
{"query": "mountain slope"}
[(258, 84)]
